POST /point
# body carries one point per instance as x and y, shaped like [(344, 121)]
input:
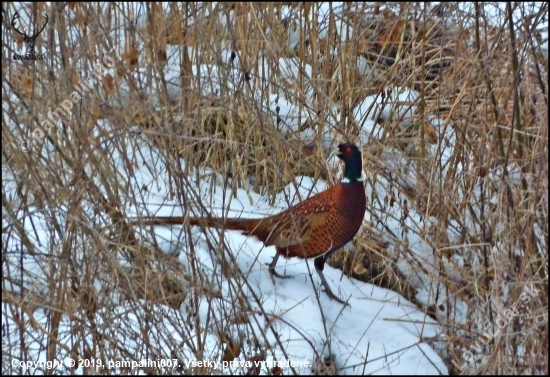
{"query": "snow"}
[(396, 103)]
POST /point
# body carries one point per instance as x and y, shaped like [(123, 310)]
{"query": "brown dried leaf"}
[(108, 84)]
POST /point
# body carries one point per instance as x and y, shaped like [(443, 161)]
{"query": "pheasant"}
[(314, 228)]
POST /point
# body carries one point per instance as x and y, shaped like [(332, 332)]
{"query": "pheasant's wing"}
[(298, 224)]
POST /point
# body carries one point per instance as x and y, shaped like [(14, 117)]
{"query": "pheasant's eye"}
[(346, 150)]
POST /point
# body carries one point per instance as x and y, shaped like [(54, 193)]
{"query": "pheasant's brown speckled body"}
[(317, 226), (314, 228)]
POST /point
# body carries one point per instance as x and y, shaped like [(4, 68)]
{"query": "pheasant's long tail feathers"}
[(252, 227)]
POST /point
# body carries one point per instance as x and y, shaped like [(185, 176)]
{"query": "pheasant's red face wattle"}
[(346, 151)]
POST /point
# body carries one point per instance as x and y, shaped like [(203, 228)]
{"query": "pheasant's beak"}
[(335, 152)]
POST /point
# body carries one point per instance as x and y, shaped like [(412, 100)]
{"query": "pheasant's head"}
[(350, 154)]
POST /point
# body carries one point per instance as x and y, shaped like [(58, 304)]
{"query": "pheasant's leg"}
[(319, 263), (272, 268)]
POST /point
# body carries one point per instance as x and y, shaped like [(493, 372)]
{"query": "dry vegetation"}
[(476, 68)]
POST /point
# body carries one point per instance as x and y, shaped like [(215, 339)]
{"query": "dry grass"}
[(483, 76)]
